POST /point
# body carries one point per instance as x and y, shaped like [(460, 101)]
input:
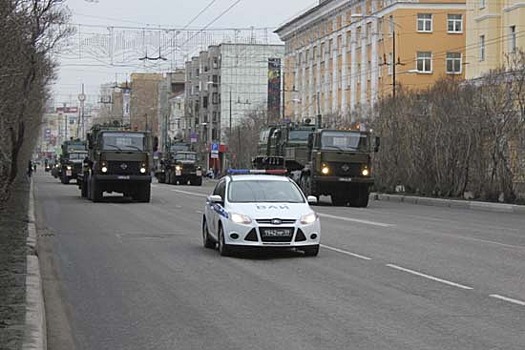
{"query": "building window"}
[(215, 98), (205, 102), (215, 79), (482, 48), (197, 72), (512, 39), (390, 63), (424, 22), (215, 64), (453, 62), (482, 4), (455, 23), (424, 61)]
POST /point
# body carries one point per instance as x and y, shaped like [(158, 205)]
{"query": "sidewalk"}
[(451, 203)]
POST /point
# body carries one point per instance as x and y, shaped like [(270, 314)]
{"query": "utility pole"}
[(394, 63)]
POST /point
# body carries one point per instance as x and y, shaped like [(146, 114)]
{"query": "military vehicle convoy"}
[(179, 165), (330, 162), (118, 161), (70, 162)]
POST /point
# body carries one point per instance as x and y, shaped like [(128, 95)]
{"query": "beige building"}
[(494, 34), (145, 101), (342, 56)]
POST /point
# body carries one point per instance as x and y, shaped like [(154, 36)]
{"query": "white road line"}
[(510, 300), (429, 277), (355, 220), (191, 193), (345, 252)]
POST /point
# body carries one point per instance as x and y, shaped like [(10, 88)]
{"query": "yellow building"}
[(495, 33), (343, 55)]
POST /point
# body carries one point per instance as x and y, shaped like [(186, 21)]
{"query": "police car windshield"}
[(344, 140), (123, 141), (248, 191)]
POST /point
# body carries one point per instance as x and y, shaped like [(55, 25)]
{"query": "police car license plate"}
[(275, 232)]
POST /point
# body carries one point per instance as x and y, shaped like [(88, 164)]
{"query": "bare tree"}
[(29, 31)]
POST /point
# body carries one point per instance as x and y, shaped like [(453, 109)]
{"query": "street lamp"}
[(394, 63)]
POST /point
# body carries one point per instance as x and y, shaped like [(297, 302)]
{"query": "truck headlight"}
[(325, 170), (365, 172), (142, 170), (104, 169), (309, 218), (68, 167), (178, 167)]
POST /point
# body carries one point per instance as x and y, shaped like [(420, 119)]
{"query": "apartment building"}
[(495, 34), (342, 56), (223, 84)]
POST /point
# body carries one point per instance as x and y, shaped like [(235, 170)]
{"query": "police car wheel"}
[(224, 249), (206, 239)]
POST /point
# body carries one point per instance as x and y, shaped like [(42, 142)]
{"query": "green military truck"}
[(331, 162), (179, 165), (118, 161), (71, 159)]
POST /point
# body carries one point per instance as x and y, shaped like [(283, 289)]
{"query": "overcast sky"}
[(91, 65)]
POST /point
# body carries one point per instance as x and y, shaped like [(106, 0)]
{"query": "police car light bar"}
[(256, 171)]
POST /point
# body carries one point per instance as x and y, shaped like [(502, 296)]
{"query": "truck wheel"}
[(144, 194), (161, 178), (83, 188), (64, 179), (338, 200), (360, 197), (196, 181), (96, 192)]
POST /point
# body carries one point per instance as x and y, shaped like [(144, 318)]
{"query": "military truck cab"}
[(118, 161), (73, 154)]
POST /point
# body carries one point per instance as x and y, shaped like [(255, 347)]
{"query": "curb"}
[(451, 203), (35, 324)]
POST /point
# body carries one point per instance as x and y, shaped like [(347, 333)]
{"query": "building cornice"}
[(514, 7), (325, 10), (487, 16)]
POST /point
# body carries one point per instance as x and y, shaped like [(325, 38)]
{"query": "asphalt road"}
[(123, 275)]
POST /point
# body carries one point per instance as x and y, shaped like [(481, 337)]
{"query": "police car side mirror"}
[(215, 198), (312, 199)]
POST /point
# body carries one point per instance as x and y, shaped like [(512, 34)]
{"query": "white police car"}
[(259, 210)]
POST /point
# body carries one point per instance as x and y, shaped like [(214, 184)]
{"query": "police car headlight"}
[(240, 219), (365, 172), (104, 169), (178, 168), (325, 170), (309, 218)]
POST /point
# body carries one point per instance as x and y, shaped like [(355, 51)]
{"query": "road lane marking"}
[(191, 193), (374, 223), (345, 252), (510, 300), (429, 277)]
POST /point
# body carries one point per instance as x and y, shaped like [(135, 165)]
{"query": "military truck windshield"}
[(185, 156), (344, 140), (76, 147), (123, 141), (77, 155), (179, 147), (299, 135)]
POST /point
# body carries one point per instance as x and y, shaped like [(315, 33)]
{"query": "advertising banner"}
[(126, 120), (274, 87)]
